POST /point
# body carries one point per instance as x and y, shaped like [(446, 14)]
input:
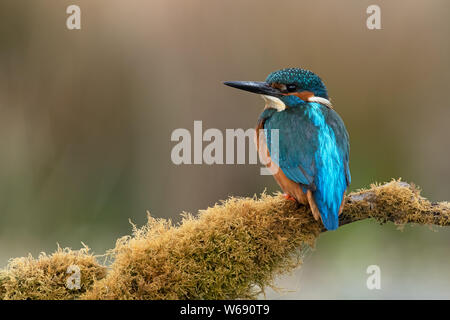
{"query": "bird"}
[(310, 161)]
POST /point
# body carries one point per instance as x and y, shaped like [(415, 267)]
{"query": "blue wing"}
[(313, 150), (297, 144), (342, 140)]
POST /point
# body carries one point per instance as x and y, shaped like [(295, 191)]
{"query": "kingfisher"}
[(310, 160)]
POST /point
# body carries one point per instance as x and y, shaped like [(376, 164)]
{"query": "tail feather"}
[(329, 212)]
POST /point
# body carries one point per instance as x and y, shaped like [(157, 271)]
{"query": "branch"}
[(230, 251), (397, 202)]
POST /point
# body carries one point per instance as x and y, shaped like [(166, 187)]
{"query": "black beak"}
[(255, 87)]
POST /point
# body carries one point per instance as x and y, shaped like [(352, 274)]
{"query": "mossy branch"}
[(230, 251)]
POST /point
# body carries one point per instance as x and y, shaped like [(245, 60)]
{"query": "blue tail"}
[(331, 183), (329, 204)]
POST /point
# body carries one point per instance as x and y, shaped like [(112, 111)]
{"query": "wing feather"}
[(297, 144)]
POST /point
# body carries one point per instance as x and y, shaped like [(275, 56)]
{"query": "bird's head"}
[(287, 88)]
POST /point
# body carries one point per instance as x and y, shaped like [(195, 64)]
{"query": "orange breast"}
[(288, 186)]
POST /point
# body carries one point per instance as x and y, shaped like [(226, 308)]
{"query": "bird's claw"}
[(289, 197)]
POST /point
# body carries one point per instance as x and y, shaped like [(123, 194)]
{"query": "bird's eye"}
[(291, 87)]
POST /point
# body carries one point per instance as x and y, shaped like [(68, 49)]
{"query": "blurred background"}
[(86, 118)]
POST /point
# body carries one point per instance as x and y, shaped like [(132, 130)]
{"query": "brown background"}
[(86, 118)]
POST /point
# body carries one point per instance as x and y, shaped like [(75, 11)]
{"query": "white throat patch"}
[(273, 103), (323, 101)]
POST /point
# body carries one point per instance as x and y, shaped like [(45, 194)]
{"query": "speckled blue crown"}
[(305, 80)]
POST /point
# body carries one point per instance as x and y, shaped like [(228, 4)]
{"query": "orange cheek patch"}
[(304, 95)]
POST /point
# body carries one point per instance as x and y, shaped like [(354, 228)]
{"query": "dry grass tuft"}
[(230, 251)]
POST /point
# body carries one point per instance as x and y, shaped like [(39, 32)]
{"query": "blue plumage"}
[(312, 153), (313, 146)]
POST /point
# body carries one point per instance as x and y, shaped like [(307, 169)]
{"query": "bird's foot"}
[(289, 197)]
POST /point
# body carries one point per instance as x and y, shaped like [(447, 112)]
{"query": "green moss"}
[(230, 251), (46, 276)]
